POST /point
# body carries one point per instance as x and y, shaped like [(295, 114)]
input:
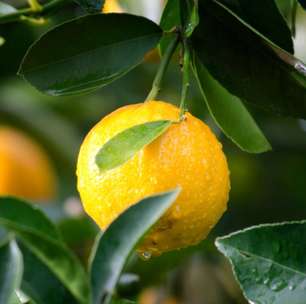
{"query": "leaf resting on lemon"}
[(127, 143)]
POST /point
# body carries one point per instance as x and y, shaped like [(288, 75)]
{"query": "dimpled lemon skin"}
[(187, 155), (25, 170)]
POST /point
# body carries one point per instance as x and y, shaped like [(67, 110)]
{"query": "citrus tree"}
[(151, 175)]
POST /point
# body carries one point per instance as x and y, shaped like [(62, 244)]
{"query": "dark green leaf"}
[(39, 236), (230, 114), (171, 15), (265, 17), (117, 243), (127, 143), (91, 6), (11, 268), (6, 9), (40, 283), (247, 65), (88, 52), (303, 3), (269, 262), (16, 214)]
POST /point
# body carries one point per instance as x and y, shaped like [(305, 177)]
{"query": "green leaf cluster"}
[(35, 259), (241, 57)]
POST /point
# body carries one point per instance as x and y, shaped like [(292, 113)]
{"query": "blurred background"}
[(40, 137)]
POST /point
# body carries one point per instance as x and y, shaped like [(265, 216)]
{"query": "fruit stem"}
[(156, 86), (185, 80)]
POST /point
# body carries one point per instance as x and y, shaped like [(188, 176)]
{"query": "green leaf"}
[(127, 143), (171, 15), (194, 20), (248, 65), (88, 52), (18, 215), (180, 14), (269, 262), (303, 3), (40, 237), (170, 19), (15, 299), (266, 18), (43, 287), (230, 114), (6, 9), (11, 268), (91, 6), (115, 245)]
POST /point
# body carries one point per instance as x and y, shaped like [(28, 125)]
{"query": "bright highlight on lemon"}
[(25, 170), (187, 155)]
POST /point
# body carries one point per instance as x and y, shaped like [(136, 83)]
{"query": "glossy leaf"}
[(269, 262), (266, 18), (11, 268), (6, 9), (91, 6), (40, 237), (105, 48), (292, 65), (230, 114), (127, 143), (247, 65), (171, 15), (193, 17), (16, 214), (115, 245), (43, 287)]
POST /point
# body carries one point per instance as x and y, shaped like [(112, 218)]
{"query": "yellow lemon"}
[(187, 155), (25, 169), (112, 6)]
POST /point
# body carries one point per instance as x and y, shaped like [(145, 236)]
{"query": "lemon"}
[(112, 6), (25, 169), (187, 155)]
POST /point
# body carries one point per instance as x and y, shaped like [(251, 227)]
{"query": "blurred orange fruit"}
[(153, 296), (187, 155), (25, 169)]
